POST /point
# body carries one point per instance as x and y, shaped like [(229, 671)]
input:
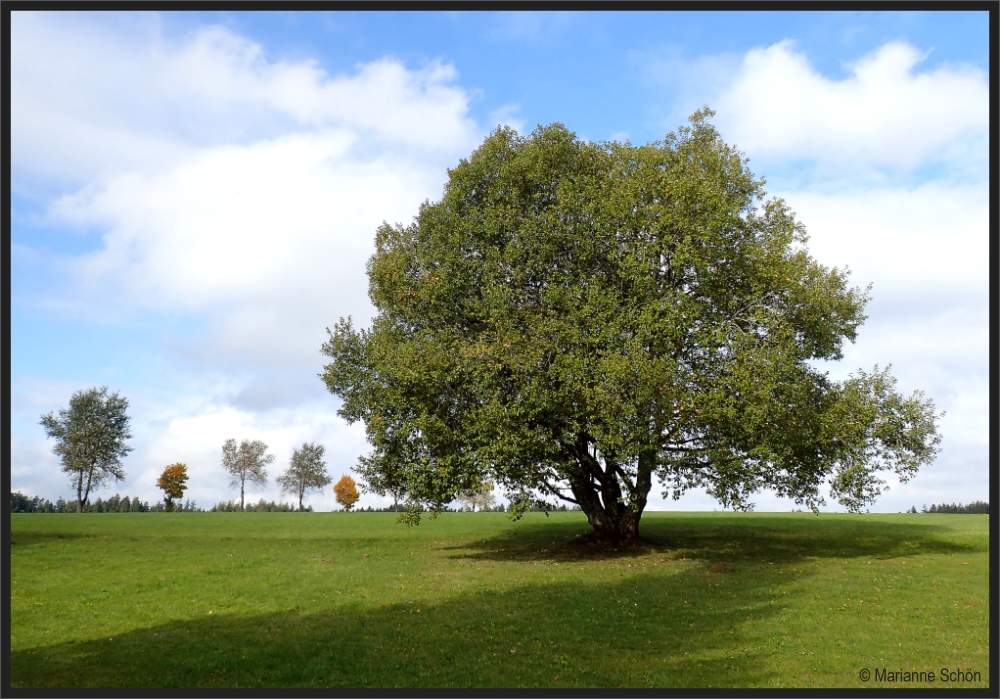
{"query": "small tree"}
[(172, 481), (246, 463), (392, 482), (90, 436), (481, 497), (397, 493), (306, 472), (347, 492)]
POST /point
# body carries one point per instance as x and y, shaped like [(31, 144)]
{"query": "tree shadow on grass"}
[(35, 537), (651, 625), (639, 632), (723, 538)]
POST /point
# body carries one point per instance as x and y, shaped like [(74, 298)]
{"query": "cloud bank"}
[(884, 114), (92, 99)]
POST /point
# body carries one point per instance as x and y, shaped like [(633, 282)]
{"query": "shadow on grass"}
[(35, 537), (727, 537), (634, 633), (659, 626)]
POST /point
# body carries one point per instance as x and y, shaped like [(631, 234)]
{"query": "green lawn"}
[(475, 600)]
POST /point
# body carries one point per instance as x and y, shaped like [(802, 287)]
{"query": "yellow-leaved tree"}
[(346, 491), (172, 481)]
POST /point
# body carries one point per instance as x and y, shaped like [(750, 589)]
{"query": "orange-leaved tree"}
[(172, 481), (347, 492)]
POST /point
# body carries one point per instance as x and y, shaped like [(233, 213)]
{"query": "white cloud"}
[(266, 238), (268, 241), (91, 100), (929, 240), (217, 226), (34, 468), (883, 115), (925, 250), (420, 108)]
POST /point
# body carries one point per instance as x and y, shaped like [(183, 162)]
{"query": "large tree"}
[(578, 320), (90, 439), (307, 471), (246, 463)]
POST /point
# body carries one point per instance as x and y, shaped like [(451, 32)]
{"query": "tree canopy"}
[(307, 471), (246, 463), (90, 439), (576, 320)]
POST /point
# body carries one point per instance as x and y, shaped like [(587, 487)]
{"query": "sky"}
[(195, 195)]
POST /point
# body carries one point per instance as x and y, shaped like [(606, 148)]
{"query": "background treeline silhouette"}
[(19, 502), (489, 508), (973, 508), (261, 505)]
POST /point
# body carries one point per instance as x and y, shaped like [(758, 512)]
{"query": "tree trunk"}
[(79, 493), (620, 531), (86, 492), (614, 518), (300, 501), (242, 485)]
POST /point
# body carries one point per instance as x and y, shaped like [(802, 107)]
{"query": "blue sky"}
[(194, 196)]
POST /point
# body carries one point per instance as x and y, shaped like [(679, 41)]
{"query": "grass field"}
[(475, 600)]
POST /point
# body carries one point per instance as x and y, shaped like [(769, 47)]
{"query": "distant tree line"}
[(399, 508), (541, 507), (19, 502), (261, 506), (973, 508), (499, 507), (390, 508)]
